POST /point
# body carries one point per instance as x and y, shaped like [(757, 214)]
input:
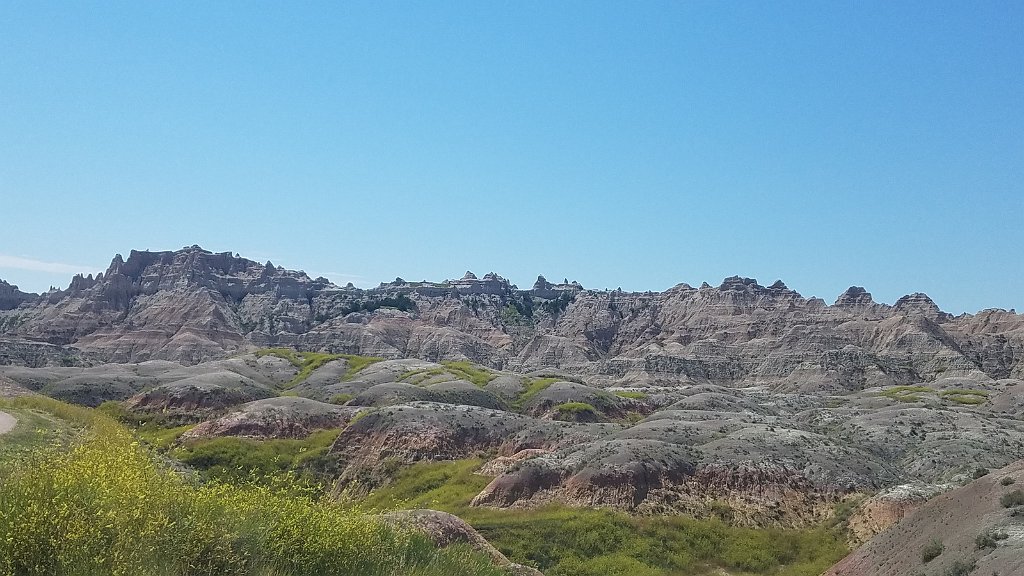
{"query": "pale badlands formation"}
[(744, 401)]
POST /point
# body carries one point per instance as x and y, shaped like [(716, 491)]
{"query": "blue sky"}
[(632, 144)]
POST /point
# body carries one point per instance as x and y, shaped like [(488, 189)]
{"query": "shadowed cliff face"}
[(192, 305), (11, 297)]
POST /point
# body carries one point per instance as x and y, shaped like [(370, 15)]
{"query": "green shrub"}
[(578, 411), (1007, 481), (105, 507), (341, 398), (989, 539), (980, 472), (243, 459), (400, 302), (932, 550), (559, 304), (1015, 498), (961, 568)]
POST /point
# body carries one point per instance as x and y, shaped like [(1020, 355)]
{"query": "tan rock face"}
[(881, 511)]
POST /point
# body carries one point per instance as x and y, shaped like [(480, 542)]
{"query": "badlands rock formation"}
[(193, 305), (743, 401)]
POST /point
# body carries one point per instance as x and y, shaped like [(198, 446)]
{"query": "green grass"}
[(457, 370), (575, 407), (283, 353), (906, 393), (957, 395), (631, 395), (447, 486), (357, 363), (34, 430), (573, 542), (308, 362), (159, 437), (105, 507), (1012, 499), (138, 420), (564, 541), (972, 397), (243, 459), (469, 371), (341, 398), (419, 376), (534, 387)]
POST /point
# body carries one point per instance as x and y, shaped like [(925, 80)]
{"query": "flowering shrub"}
[(106, 507)]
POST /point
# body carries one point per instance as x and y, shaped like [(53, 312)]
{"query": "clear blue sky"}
[(632, 144)]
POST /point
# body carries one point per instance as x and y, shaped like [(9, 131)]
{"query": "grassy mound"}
[(462, 370), (308, 362), (238, 459), (565, 541), (921, 393), (103, 506)]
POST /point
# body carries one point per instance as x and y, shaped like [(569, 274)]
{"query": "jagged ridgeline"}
[(192, 305)]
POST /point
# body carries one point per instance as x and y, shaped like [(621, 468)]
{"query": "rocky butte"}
[(740, 399)]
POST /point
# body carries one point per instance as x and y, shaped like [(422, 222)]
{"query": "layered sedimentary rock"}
[(193, 305)]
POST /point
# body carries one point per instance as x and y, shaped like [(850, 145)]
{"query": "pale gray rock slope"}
[(960, 520), (761, 455)]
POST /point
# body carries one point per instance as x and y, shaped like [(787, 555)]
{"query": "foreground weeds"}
[(103, 506)]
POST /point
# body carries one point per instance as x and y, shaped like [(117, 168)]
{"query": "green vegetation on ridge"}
[(917, 393), (308, 362), (533, 387), (460, 370)]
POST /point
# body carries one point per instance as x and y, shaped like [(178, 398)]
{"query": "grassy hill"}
[(103, 505)]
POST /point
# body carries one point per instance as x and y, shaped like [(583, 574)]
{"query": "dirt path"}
[(7, 422)]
